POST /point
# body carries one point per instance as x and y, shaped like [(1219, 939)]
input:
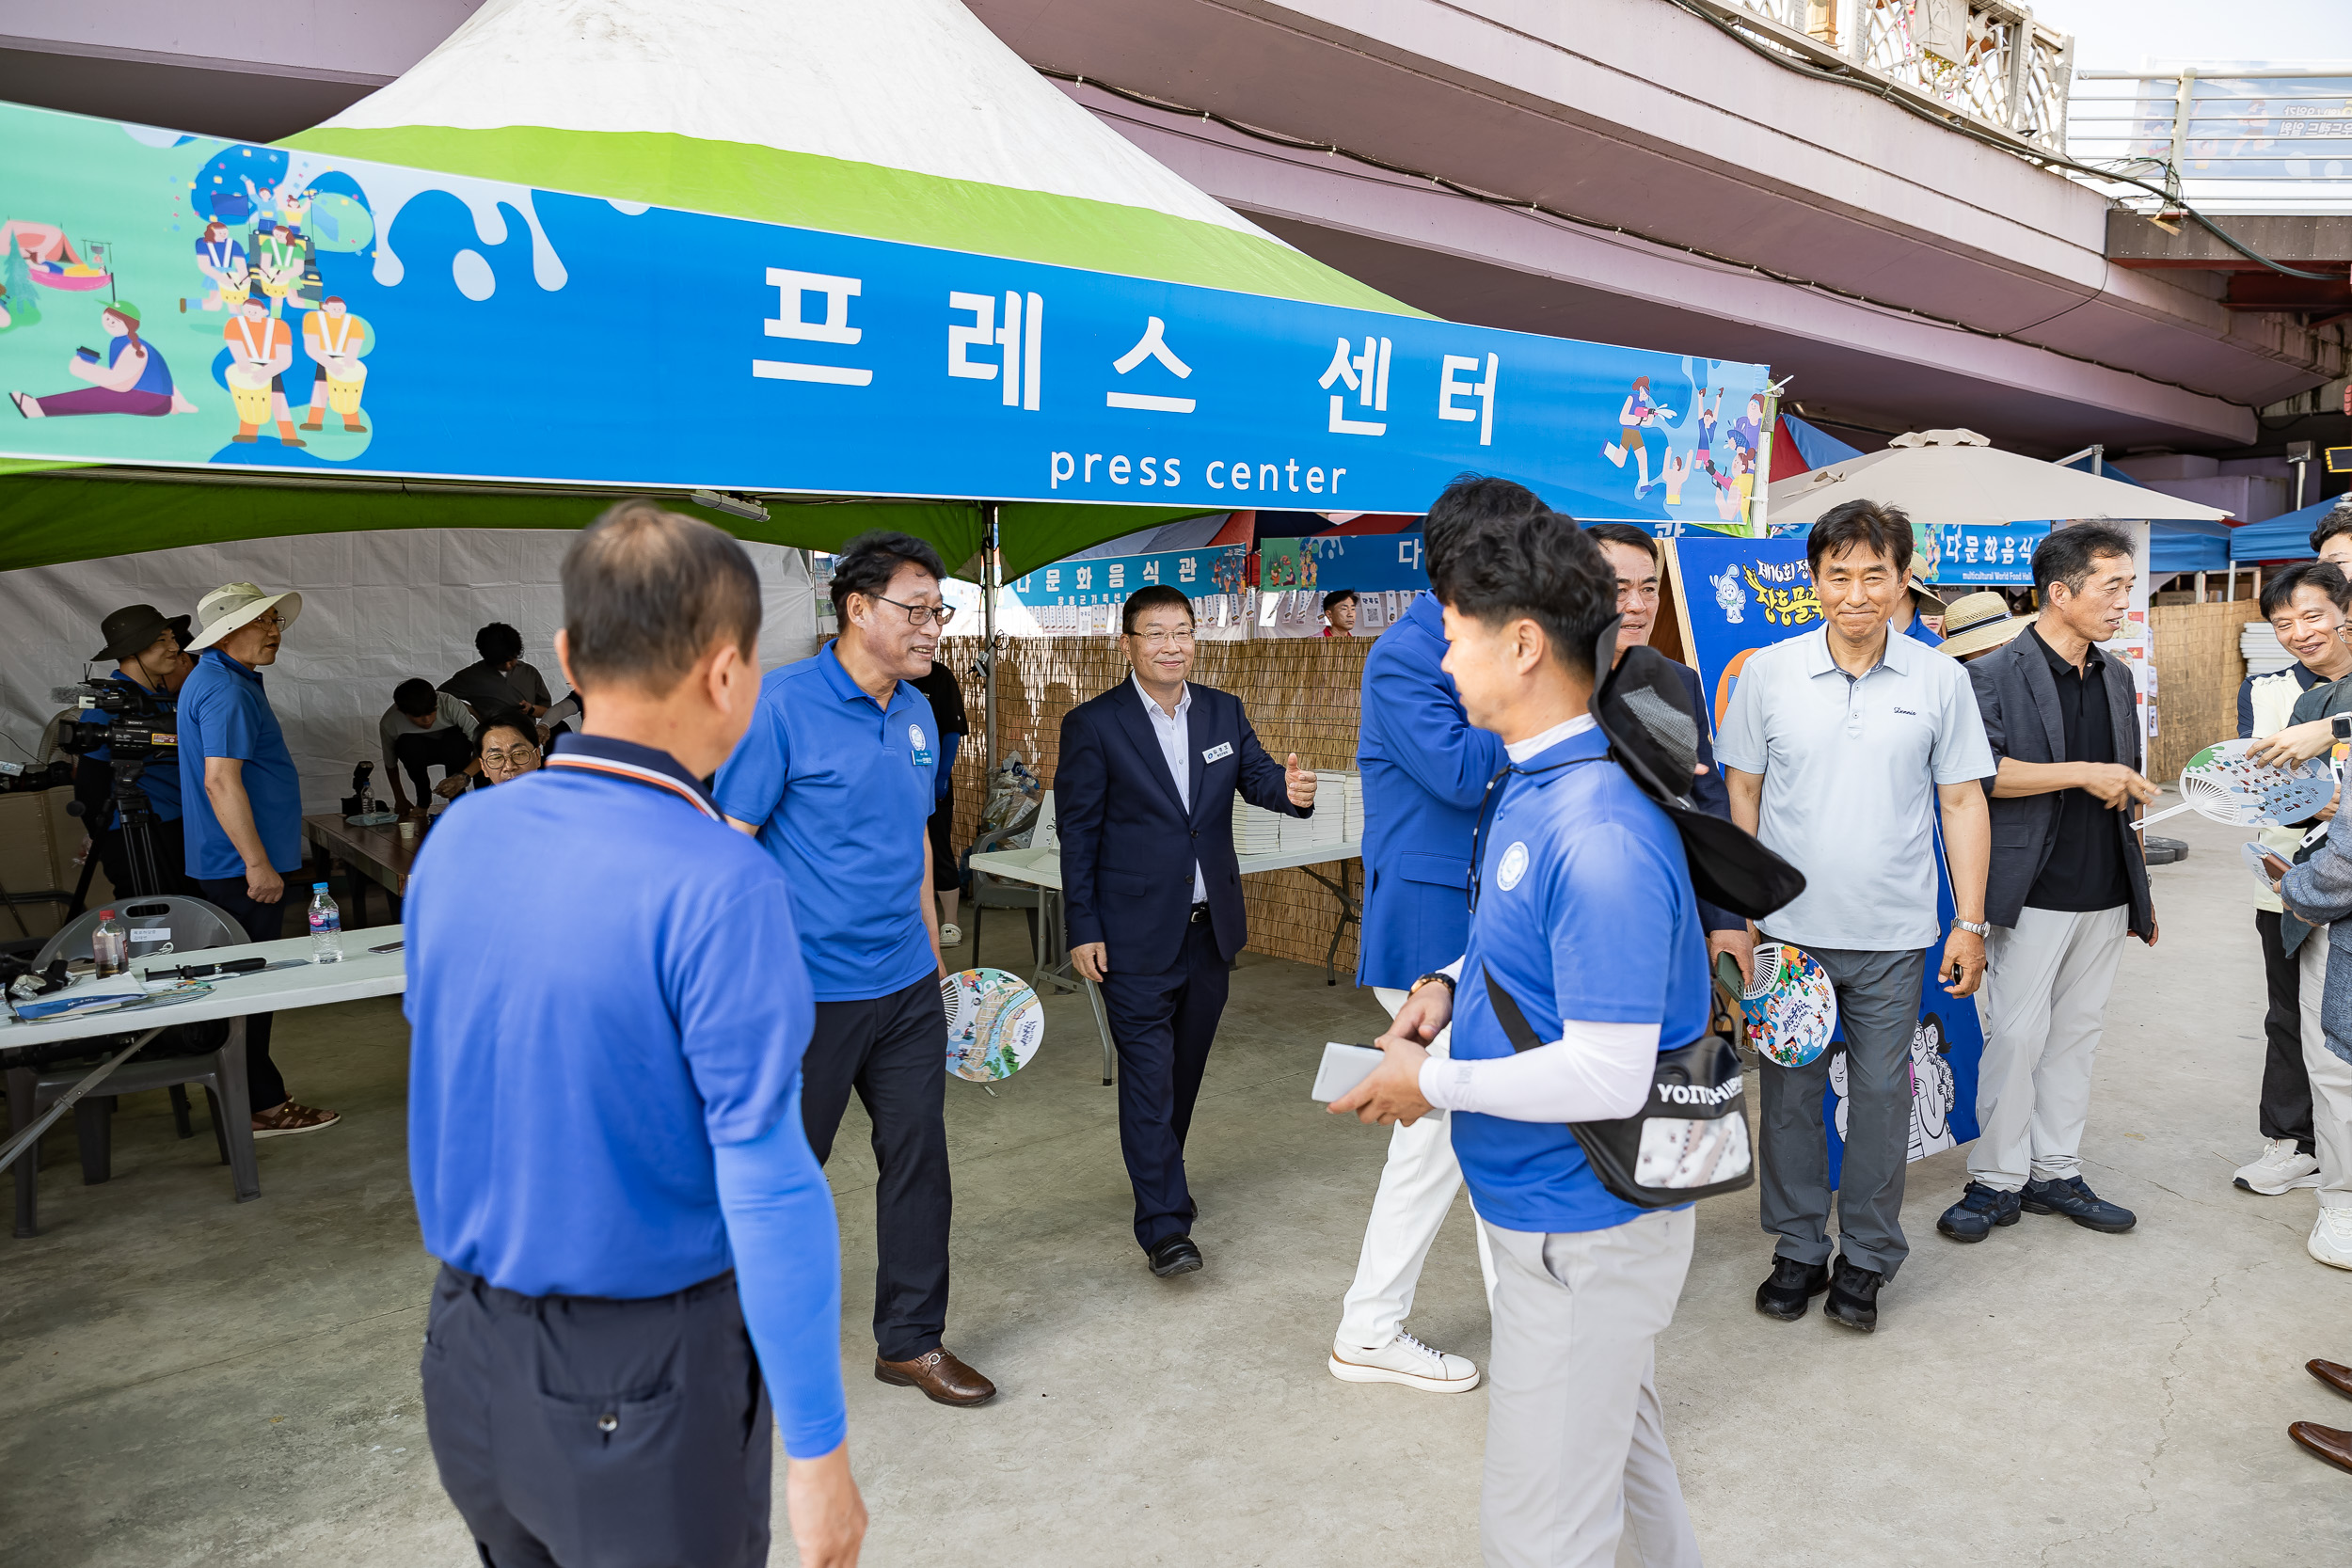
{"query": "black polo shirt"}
[(2086, 866)]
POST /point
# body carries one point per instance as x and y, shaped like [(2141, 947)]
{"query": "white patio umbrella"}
[(1946, 477)]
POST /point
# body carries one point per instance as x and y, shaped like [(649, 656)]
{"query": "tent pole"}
[(992, 574)]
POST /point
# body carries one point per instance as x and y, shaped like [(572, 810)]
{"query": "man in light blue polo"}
[(836, 779), (1838, 748)]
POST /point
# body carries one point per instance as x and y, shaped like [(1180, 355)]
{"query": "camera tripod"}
[(137, 836)]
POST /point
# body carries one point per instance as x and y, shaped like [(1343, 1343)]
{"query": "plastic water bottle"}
[(110, 946), (326, 927)]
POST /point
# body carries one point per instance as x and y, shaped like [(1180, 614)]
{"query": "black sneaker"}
[(1791, 1288), (1854, 1296), (1980, 1208), (1173, 1255), (2078, 1203)]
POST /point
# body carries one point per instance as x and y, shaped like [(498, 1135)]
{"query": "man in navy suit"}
[(1143, 800)]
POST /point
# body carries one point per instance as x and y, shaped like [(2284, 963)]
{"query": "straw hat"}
[(233, 604), (1977, 623)]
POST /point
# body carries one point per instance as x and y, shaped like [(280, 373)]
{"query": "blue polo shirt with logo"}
[(224, 713), (1584, 911), (841, 789)]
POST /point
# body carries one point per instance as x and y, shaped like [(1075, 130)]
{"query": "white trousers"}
[(2046, 981), (2332, 1079), (1417, 1188), (1575, 1442)]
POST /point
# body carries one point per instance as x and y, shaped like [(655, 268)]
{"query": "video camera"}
[(137, 728)]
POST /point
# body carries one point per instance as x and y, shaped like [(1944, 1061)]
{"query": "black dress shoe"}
[(1173, 1255), (1791, 1288), (1854, 1296)]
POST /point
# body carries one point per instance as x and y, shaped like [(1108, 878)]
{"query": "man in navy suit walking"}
[(1143, 800)]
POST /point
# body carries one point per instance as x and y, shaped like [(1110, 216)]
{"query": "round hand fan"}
[(994, 1023), (1790, 1008), (2221, 783)]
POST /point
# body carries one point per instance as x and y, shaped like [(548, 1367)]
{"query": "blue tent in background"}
[(2282, 538), (2177, 547)]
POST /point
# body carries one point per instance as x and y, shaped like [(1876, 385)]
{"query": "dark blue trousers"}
[(1164, 1024), (578, 1432)]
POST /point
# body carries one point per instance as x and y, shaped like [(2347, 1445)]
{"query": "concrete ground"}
[(184, 1379)]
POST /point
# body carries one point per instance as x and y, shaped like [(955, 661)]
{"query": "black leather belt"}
[(1200, 914)]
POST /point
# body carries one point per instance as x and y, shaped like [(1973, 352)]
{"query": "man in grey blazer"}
[(2067, 880)]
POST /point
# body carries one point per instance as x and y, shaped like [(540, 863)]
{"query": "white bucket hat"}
[(233, 605)]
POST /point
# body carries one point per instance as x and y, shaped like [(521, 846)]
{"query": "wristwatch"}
[(1974, 928)]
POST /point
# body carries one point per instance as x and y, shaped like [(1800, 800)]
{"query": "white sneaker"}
[(1406, 1360), (2281, 1169), (952, 936), (2332, 1238)]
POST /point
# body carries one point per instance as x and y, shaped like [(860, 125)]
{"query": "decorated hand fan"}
[(2221, 783), (1790, 1008), (994, 1024)]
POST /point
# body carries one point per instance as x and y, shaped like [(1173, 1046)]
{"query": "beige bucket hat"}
[(233, 605), (1980, 622)]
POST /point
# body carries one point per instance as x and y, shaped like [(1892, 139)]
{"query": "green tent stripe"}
[(47, 520), (808, 191)]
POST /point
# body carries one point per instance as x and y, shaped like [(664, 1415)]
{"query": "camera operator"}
[(244, 803), (147, 650)]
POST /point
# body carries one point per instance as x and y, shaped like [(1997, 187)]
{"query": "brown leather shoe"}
[(2327, 1442), (942, 1379), (2334, 1377)]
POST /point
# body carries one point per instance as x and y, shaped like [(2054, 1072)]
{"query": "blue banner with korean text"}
[(184, 301), (1994, 554), (1108, 580)]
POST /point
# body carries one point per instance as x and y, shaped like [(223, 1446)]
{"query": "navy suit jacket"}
[(1128, 845)]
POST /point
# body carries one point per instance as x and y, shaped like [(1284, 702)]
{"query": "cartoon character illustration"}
[(278, 259), (132, 379), (1730, 501), (1641, 412), (262, 349), (335, 340), (1933, 1090), (222, 261), (1743, 476), (1706, 420), (1729, 597), (1748, 429), (1676, 470)]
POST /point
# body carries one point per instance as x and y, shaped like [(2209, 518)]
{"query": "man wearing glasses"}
[(1143, 802), (835, 780)]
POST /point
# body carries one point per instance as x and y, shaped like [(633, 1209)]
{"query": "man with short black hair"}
[(1583, 918), (150, 654), (2331, 540), (638, 1250), (499, 681), (423, 729), (1837, 748), (1339, 612), (2307, 606), (1143, 805), (836, 779), (2066, 880)]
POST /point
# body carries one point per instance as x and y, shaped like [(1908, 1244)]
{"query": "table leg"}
[(1351, 912)]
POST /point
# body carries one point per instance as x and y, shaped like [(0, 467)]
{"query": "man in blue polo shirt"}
[(241, 804), (1582, 913), (835, 778), (604, 1130)]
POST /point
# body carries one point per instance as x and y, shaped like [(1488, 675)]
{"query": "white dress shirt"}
[(1594, 1072), (1175, 732)]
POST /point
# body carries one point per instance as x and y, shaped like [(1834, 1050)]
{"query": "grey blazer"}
[(2319, 892), (2019, 702)]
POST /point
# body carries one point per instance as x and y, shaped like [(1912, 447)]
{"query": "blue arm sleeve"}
[(948, 741), (787, 1271), (2246, 708), (1444, 754)]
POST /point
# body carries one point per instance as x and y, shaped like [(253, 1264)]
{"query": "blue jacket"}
[(1128, 846), (1426, 772)]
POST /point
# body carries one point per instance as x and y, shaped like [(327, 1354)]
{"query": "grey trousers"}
[(1878, 1010), (1575, 1442), (2046, 981)]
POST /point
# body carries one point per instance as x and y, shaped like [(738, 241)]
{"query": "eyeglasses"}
[(919, 613), (517, 755), (1160, 636)]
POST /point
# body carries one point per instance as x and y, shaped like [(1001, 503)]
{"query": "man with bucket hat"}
[(146, 649), (1977, 625), (242, 802)]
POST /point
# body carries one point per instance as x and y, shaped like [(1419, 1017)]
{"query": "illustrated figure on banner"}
[(277, 262), (132, 379), (1641, 412), (335, 341), (261, 351), (221, 259), (1729, 597)]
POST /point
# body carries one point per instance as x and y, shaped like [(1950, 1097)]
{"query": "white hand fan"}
[(2221, 783)]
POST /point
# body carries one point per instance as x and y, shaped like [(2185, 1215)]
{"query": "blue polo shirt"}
[(1584, 911), (224, 713), (160, 783), (574, 1056), (841, 789)]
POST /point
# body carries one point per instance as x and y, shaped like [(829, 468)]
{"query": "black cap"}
[(134, 628)]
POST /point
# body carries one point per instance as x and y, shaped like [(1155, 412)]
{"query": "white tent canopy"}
[(1944, 478)]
